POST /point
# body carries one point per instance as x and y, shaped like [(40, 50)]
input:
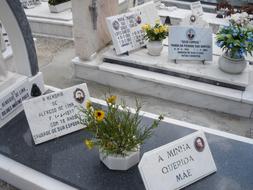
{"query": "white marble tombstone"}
[(27, 81), (90, 30), (194, 20)]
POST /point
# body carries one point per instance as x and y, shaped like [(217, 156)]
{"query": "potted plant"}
[(56, 6), (154, 36), (117, 132), (236, 40)]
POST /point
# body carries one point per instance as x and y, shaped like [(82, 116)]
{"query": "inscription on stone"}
[(126, 32), (177, 164), (55, 114), (190, 43)]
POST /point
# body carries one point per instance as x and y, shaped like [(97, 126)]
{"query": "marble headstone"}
[(86, 13), (126, 32), (145, 11), (197, 8), (194, 20)]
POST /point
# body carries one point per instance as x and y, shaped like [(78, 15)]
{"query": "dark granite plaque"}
[(67, 160)]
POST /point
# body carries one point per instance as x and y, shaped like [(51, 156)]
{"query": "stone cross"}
[(90, 29)]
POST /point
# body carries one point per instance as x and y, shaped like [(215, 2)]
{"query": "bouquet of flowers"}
[(115, 130), (158, 32), (235, 40)]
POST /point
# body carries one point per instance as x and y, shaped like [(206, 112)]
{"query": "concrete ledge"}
[(166, 87)]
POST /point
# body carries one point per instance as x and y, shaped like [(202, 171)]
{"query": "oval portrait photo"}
[(199, 144), (79, 95)]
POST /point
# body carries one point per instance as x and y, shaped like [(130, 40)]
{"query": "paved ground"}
[(55, 63)]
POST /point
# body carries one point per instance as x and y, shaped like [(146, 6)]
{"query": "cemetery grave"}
[(41, 141)]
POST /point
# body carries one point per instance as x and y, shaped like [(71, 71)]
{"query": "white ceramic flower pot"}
[(60, 7), (230, 65), (154, 47), (118, 162)]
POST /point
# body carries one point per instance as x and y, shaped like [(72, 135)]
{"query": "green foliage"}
[(156, 33), (117, 130), (56, 2), (235, 40)]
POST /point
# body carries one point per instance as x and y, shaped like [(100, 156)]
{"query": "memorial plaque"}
[(177, 164), (197, 8), (12, 100), (190, 43), (145, 10), (56, 114), (126, 32)]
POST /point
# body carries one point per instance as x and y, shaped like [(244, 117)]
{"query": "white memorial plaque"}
[(55, 114), (177, 164), (197, 8), (13, 99), (145, 10), (126, 32), (190, 43)]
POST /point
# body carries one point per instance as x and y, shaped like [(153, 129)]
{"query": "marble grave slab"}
[(193, 70)]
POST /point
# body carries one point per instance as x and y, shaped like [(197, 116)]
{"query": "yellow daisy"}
[(88, 104), (156, 30), (111, 99), (161, 29), (99, 115), (89, 144)]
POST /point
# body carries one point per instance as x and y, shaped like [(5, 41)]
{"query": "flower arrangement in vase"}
[(154, 36), (236, 40), (117, 132)]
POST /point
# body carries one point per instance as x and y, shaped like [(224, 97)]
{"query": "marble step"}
[(168, 87), (207, 72), (44, 23)]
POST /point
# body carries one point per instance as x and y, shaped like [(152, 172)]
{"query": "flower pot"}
[(231, 65), (154, 47), (118, 162), (60, 7)]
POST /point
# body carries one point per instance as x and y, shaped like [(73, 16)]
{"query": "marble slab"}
[(182, 13), (209, 72), (67, 160), (42, 11)]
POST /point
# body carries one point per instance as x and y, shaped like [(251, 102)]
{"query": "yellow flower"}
[(166, 28), (111, 99), (161, 29), (89, 144), (156, 30), (88, 104), (99, 115), (146, 27)]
